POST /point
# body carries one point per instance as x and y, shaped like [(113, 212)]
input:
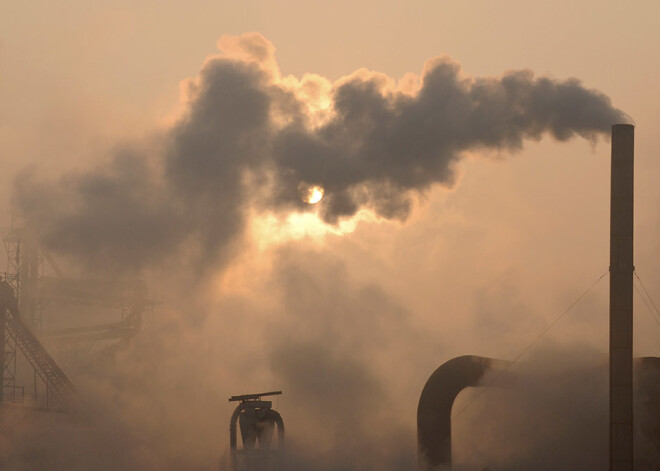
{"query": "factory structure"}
[(27, 294), (257, 421), (43, 312), (444, 385)]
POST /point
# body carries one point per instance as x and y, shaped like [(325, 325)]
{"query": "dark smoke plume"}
[(250, 137)]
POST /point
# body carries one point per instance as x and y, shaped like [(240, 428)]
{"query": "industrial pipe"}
[(250, 416), (621, 298), (436, 401), (444, 385)]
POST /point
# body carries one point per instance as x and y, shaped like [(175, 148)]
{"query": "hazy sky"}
[(478, 268)]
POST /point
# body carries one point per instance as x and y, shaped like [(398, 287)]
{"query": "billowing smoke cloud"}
[(250, 137)]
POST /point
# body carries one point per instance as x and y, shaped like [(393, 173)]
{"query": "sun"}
[(315, 195), (310, 194)]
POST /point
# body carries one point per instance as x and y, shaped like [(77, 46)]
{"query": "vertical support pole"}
[(621, 298), (232, 437), (3, 314)]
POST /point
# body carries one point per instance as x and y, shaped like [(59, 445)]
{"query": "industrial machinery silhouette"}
[(436, 401), (449, 379), (441, 389), (59, 389), (257, 420), (39, 285)]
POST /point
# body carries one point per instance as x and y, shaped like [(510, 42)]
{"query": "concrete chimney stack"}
[(621, 298)]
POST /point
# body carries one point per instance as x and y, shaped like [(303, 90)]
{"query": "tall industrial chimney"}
[(621, 298)]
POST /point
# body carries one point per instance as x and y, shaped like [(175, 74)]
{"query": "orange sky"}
[(78, 77), (504, 252)]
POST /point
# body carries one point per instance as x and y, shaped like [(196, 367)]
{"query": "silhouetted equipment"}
[(647, 413), (258, 396), (444, 385), (437, 399), (621, 298), (68, 328), (434, 412), (257, 420), (12, 326), (127, 296)]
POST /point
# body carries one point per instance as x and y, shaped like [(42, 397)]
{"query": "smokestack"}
[(621, 298)]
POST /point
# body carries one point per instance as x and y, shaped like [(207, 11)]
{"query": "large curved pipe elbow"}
[(444, 385), (436, 401), (277, 418)]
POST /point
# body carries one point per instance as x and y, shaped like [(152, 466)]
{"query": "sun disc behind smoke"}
[(315, 195), (310, 194)]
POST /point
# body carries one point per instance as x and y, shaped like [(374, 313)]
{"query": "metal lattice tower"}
[(60, 390), (9, 391), (25, 266), (57, 295)]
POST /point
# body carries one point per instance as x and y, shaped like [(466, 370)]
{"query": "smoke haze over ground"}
[(349, 323)]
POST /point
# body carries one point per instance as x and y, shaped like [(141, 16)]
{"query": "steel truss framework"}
[(35, 292)]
